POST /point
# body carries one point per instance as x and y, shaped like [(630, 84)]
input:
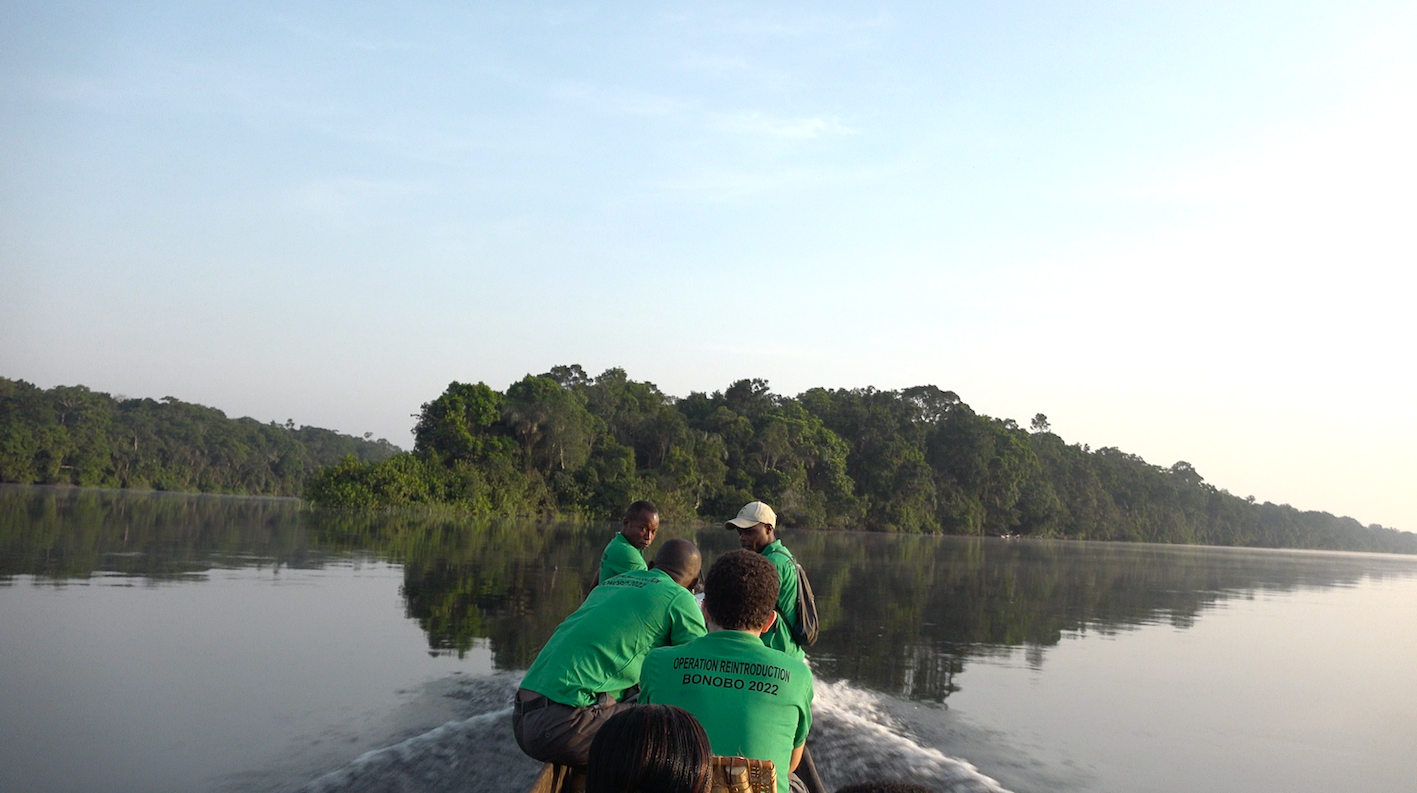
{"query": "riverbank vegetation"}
[(918, 460), (73, 436)]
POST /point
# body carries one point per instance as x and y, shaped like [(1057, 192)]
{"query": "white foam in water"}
[(853, 739), (476, 755)]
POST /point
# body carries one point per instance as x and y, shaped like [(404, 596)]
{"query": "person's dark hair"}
[(740, 590), (884, 786), (640, 509), (650, 749)]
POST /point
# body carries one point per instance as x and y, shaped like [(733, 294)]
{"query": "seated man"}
[(626, 549), (754, 701), (595, 655)]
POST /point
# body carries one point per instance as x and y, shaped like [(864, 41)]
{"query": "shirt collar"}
[(734, 636)]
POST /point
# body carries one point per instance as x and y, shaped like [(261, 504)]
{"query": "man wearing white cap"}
[(756, 524)]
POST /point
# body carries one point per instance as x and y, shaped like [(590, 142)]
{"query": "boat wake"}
[(853, 739)]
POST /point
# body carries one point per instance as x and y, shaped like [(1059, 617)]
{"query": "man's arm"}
[(804, 722), (686, 619), (787, 588), (600, 574), (647, 682)]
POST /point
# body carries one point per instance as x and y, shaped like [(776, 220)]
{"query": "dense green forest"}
[(71, 435), (918, 460)]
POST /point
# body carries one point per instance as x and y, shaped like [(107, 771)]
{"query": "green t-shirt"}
[(752, 700), (600, 647), (779, 636), (620, 557)]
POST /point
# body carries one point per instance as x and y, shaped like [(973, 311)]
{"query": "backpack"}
[(804, 631)]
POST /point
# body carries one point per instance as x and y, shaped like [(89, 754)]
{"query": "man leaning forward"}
[(579, 677)]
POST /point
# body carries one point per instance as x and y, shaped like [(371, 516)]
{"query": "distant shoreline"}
[(564, 445)]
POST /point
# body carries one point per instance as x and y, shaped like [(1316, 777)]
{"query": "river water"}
[(162, 642)]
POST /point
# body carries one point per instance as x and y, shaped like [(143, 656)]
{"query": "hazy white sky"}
[(1183, 229)]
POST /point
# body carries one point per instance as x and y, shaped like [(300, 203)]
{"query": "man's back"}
[(600, 647), (752, 700), (620, 557)]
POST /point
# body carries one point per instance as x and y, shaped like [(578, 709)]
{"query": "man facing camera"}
[(626, 550), (578, 678), (753, 701)]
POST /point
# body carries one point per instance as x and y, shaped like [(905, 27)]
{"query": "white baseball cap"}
[(751, 515)]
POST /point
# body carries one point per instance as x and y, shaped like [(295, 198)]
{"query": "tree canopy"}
[(70, 435)]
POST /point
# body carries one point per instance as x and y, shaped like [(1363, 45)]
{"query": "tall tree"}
[(551, 423)]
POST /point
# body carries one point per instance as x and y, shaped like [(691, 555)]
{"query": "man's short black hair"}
[(740, 590), (640, 509)]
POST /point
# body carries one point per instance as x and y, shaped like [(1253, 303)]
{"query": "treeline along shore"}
[(564, 443), (70, 435), (918, 460)]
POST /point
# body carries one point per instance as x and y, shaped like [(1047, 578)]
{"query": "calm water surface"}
[(168, 642)]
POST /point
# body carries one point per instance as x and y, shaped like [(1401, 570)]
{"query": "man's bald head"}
[(681, 560)]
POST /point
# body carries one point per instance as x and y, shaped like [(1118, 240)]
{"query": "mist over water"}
[(178, 642)]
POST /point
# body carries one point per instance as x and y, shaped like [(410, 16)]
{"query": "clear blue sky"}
[(1183, 229)]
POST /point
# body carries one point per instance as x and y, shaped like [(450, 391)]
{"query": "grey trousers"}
[(805, 779), (555, 733)]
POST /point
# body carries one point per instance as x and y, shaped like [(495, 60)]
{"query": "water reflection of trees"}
[(508, 582), (899, 613), (59, 533), (904, 613)]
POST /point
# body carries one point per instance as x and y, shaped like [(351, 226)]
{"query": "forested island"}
[(917, 460), (70, 435)]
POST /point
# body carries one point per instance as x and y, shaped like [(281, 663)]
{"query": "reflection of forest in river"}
[(899, 613)]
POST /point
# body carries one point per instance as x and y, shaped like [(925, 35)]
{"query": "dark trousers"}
[(555, 733)]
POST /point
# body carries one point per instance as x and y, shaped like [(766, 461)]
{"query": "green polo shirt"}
[(752, 700), (620, 556), (600, 647), (779, 636)]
